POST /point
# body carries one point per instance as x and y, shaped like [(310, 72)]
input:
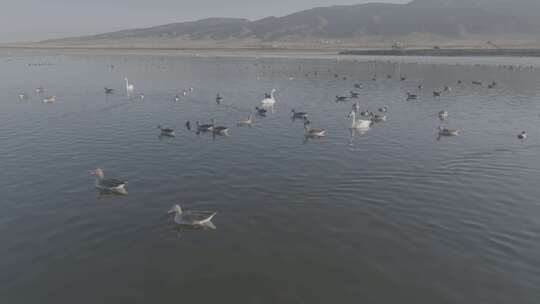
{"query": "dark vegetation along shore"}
[(447, 52)]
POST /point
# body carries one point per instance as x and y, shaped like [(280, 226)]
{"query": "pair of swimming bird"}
[(309, 131), (191, 218)]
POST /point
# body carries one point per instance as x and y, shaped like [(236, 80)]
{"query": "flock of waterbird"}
[(361, 121)]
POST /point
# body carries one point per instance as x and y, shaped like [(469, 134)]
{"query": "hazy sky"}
[(29, 20)]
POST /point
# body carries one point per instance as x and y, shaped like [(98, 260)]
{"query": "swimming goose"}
[(366, 113), (437, 93), (341, 98), (492, 85), (411, 96), (313, 132), (261, 112), (188, 125), (358, 86), (443, 115), (447, 89), (477, 83), (220, 130), (359, 123), (448, 132), (205, 127), (354, 94), (176, 98), (378, 118), (108, 91), (383, 109), (299, 114), (191, 217), (420, 87), (49, 99), (108, 184), (388, 76), (522, 135), (403, 78), (166, 131), (246, 121), (219, 99), (269, 100)]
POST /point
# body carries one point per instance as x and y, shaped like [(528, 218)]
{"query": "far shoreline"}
[(519, 51)]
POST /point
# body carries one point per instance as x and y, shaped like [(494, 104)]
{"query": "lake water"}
[(390, 216)]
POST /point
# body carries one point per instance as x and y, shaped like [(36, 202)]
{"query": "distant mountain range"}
[(444, 19)]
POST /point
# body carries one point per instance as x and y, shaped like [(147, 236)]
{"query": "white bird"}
[(359, 123), (23, 96), (522, 135), (40, 90), (192, 217), (50, 99), (269, 100), (129, 87), (108, 184)]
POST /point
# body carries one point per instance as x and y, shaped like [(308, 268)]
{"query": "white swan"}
[(129, 87), (362, 124), (269, 100)]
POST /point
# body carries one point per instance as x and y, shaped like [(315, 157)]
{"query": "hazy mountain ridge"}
[(444, 18)]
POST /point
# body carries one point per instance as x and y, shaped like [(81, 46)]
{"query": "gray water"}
[(390, 216)]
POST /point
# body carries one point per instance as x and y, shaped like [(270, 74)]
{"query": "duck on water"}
[(108, 184), (166, 131), (192, 217)]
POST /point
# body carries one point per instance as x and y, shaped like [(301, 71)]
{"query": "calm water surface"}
[(390, 216)]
